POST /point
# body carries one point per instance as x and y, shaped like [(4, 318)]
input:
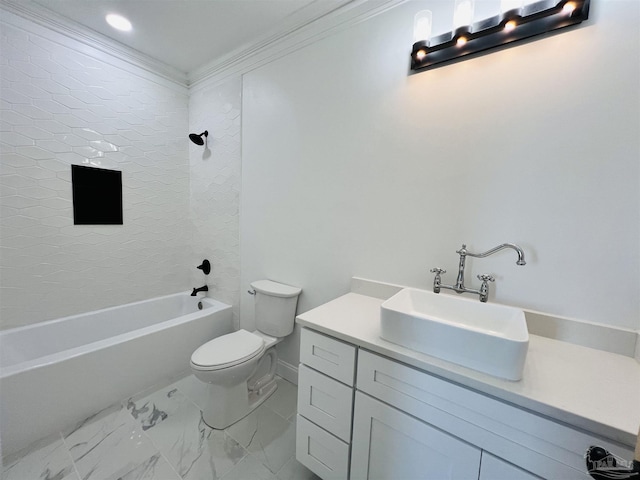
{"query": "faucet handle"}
[(205, 267), (437, 280), (486, 277)]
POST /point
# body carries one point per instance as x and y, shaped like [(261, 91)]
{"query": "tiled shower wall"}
[(215, 187), (62, 107)]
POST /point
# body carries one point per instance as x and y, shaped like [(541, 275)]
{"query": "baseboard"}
[(287, 371)]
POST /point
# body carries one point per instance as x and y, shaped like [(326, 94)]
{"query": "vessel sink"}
[(486, 337)]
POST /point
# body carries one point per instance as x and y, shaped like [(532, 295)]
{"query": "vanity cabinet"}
[(494, 468), (325, 404), (409, 424), (389, 444)]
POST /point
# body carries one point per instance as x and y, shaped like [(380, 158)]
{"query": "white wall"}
[(215, 188), (352, 167), (64, 103)]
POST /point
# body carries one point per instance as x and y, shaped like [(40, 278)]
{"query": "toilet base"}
[(256, 399), (227, 413), (230, 404)]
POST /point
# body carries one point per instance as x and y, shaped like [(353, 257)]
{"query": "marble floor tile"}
[(47, 459), (267, 436), (107, 443), (192, 448), (220, 455), (284, 400), (196, 390), (151, 409), (160, 435), (250, 469), (154, 468), (294, 470)]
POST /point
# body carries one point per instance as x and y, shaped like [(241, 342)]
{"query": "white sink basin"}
[(486, 337)]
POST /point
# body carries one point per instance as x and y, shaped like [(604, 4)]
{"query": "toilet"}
[(230, 365)]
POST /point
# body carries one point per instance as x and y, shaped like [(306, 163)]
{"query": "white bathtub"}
[(56, 373)]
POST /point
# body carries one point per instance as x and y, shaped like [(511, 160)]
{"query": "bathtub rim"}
[(28, 365)]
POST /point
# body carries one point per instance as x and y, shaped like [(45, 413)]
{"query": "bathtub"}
[(56, 373)]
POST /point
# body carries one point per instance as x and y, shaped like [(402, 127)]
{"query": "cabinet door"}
[(389, 444), (494, 468)]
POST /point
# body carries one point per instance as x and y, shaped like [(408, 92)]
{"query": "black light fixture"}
[(510, 26), (198, 138)]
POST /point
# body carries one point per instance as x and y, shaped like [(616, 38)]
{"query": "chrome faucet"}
[(459, 287)]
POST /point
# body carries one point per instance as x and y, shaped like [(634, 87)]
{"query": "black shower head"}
[(197, 139)]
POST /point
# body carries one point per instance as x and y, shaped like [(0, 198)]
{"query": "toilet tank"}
[(275, 307)]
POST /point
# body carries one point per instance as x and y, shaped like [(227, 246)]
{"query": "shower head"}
[(197, 139)]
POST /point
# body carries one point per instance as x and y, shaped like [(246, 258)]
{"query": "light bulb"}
[(118, 22), (420, 54), (461, 41), (462, 13), (510, 25), (422, 26), (569, 7)]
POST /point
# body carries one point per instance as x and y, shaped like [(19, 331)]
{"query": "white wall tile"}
[(215, 188), (61, 108)]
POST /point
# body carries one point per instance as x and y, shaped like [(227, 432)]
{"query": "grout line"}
[(68, 450), (168, 462), (144, 433), (158, 450)]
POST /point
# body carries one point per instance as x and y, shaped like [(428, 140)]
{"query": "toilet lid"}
[(227, 350)]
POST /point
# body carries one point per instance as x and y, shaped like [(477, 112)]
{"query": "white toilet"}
[(230, 364)]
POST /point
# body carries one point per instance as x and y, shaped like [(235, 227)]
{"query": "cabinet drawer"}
[(321, 452), (327, 355), (325, 402)]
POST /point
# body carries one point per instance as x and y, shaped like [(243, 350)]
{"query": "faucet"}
[(459, 287), (201, 289)]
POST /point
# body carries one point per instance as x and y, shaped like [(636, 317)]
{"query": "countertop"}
[(587, 388)]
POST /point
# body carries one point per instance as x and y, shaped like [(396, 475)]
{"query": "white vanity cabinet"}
[(533, 443), (325, 404), (410, 424), (494, 468), (389, 444)]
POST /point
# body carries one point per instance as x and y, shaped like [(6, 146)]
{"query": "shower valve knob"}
[(205, 267)]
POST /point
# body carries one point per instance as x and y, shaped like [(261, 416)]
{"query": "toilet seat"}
[(227, 351)]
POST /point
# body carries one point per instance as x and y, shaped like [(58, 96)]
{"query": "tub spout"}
[(201, 289)]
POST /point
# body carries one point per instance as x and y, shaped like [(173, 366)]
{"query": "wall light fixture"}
[(509, 26)]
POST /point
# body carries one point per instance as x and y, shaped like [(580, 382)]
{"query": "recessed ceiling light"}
[(118, 22)]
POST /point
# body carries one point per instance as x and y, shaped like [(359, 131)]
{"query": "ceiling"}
[(188, 34)]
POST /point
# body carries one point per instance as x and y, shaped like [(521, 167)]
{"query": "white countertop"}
[(595, 390)]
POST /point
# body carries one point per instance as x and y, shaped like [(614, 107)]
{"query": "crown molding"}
[(89, 38), (304, 27), (298, 32)]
